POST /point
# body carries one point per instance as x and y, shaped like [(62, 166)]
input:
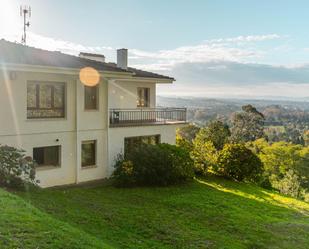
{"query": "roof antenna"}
[(25, 12)]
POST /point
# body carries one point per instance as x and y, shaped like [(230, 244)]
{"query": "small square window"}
[(47, 156), (89, 153), (91, 97)]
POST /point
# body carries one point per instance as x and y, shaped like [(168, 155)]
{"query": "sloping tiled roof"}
[(142, 73), (15, 53)]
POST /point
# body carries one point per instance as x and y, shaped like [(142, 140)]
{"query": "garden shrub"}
[(285, 166), (161, 165), (16, 170), (289, 184), (204, 155), (239, 163)]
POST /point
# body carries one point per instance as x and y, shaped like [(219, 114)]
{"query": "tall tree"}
[(185, 136), (216, 132), (247, 125)]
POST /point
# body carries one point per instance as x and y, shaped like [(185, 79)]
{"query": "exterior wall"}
[(78, 125), (117, 135), (50, 176), (92, 125), (13, 102), (123, 95), (99, 170)]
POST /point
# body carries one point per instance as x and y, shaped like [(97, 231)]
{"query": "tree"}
[(204, 155), (185, 136), (216, 132), (285, 166), (247, 125), (239, 163), (16, 169)]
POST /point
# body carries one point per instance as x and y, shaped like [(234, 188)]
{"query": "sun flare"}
[(10, 22)]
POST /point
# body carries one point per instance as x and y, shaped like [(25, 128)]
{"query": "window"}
[(47, 156), (89, 153), (91, 97), (143, 97), (130, 143), (45, 100)]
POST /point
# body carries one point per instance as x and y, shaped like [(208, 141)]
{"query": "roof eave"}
[(59, 70)]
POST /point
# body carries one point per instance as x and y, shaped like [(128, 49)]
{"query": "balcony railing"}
[(149, 116)]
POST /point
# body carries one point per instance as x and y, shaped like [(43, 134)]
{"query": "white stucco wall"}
[(50, 176), (117, 136), (77, 126), (13, 103), (123, 95)]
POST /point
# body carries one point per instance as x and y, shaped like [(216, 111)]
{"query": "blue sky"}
[(219, 48)]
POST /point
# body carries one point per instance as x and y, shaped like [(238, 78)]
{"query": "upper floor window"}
[(91, 97), (143, 97), (45, 100)]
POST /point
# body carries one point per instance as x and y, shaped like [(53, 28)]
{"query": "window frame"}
[(37, 84), (95, 153), (97, 89), (39, 166), (139, 98), (140, 138)]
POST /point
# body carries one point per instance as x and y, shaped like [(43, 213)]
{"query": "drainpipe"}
[(77, 109)]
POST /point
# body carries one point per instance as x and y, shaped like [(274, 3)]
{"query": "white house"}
[(74, 115)]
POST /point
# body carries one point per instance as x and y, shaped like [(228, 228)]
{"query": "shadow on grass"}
[(253, 192), (208, 213)]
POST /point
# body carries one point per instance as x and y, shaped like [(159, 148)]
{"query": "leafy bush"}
[(185, 136), (204, 155), (289, 184), (160, 165), (216, 132), (285, 166), (239, 163), (16, 169)]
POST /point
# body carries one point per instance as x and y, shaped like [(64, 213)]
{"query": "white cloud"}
[(61, 45), (218, 50), (238, 49), (249, 38), (253, 91), (54, 44)]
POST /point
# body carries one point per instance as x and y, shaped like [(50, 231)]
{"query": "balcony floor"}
[(146, 123)]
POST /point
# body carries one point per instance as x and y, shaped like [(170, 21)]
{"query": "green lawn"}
[(212, 213)]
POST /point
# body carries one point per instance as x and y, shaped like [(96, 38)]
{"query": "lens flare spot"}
[(89, 76)]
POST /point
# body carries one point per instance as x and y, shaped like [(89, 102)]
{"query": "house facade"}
[(74, 114)]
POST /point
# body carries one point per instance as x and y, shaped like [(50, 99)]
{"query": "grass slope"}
[(23, 226), (208, 213)]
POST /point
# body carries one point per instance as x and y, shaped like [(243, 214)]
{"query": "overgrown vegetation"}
[(16, 170), (243, 154), (161, 165)]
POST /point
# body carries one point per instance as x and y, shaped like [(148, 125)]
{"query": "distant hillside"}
[(201, 110)]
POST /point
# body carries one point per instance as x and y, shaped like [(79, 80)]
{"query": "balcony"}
[(149, 116)]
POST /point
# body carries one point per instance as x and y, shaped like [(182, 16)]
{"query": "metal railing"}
[(147, 116)]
